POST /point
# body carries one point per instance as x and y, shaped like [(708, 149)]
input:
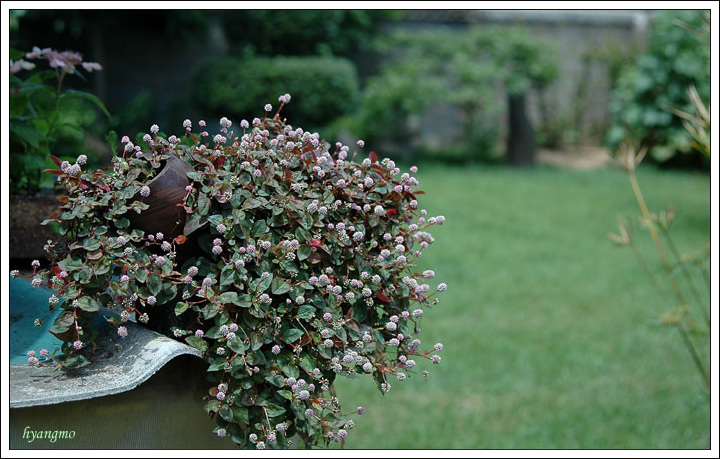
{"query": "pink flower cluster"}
[(66, 61)]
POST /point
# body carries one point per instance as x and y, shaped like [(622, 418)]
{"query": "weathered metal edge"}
[(119, 365)]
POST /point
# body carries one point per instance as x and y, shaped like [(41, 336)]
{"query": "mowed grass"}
[(551, 333)]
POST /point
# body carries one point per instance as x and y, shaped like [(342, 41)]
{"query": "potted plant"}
[(286, 260), (44, 116)]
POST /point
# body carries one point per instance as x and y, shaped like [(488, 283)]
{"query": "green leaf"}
[(237, 200), (229, 297), (237, 346), (238, 215), (292, 334), (255, 311), (122, 222), (291, 371), (279, 287), (308, 363), (203, 204), (88, 304), (217, 364), (259, 228), (302, 234), (265, 283), (256, 341), (28, 134), (192, 224), (244, 301), (227, 275), (226, 413), (112, 140), (285, 394), (274, 410), (340, 333), (141, 275), (241, 415), (303, 252), (256, 358), (275, 380), (169, 291), (83, 276), (70, 264), (87, 96), (210, 311), (63, 323), (212, 405), (91, 244), (289, 266), (325, 352), (197, 343), (154, 284), (181, 307), (254, 203), (306, 311)]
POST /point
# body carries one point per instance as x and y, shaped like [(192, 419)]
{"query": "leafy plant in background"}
[(44, 114), (687, 275), (325, 87), (677, 57), (293, 265), (466, 69)]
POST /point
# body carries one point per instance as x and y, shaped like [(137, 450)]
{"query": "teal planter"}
[(144, 391)]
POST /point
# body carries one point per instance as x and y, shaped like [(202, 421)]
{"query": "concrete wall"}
[(576, 103)]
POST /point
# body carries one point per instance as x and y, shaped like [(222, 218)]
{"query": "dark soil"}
[(27, 235)]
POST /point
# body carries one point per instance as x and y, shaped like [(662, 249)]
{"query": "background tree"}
[(469, 69)]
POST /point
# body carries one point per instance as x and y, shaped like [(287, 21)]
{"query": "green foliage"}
[(323, 87), (291, 262), (677, 57), (302, 32), (140, 110), (464, 68), (45, 118)]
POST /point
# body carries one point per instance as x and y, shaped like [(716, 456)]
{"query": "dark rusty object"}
[(165, 213)]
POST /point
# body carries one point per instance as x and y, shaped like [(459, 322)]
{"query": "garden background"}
[(555, 337)]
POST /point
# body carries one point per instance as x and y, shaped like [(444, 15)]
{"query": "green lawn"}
[(551, 333)]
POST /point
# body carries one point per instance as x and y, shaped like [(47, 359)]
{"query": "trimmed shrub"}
[(323, 87)]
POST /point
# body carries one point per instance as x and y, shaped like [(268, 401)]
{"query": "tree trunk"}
[(521, 144)]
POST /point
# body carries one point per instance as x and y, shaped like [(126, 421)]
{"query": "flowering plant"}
[(294, 265), (41, 110)]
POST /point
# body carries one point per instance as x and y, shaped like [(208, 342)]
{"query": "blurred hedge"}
[(677, 57), (322, 88)]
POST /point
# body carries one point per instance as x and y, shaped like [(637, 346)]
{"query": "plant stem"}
[(693, 353), (647, 269), (690, 281), (692, 345), (654, 234)]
